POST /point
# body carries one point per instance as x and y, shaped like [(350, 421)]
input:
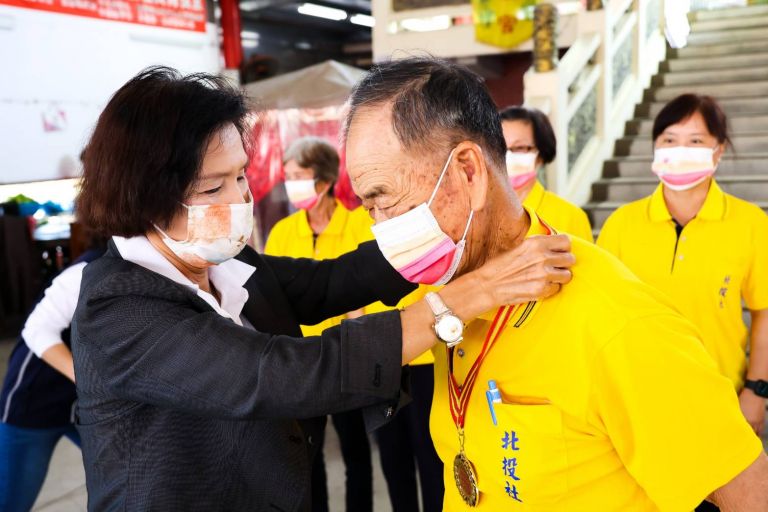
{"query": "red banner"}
[(177, 14), (277, 129)]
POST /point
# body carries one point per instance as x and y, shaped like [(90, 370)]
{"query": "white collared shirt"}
[(228, 277)]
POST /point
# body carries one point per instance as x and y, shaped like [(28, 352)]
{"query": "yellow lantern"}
[(503, 23)]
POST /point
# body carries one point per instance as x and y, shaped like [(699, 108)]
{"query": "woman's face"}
[(222, 178), (519, 137), (691, 132), (293, 171)]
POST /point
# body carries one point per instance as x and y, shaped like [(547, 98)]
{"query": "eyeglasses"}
[(523, 149)]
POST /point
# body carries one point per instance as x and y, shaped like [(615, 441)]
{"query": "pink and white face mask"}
[(683, 167), (302, 193), (215, 233), (521, 168), (416, 246)]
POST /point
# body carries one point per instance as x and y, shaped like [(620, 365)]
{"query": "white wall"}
[(51, 63)]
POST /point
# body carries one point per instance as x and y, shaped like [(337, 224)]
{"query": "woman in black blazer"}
[(190, 366)]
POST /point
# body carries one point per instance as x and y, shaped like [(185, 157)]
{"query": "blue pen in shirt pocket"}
[(493, 395)]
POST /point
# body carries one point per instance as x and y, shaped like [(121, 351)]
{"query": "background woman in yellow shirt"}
[(322, 229), (531, 143), (706, 249)]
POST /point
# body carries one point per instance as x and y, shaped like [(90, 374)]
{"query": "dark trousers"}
[(356, 452), (405, 445)]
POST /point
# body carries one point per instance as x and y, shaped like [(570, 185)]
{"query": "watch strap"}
[(436, 304), (759, 387)]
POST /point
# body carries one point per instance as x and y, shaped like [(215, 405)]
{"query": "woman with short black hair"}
[(706, 249), (531, 144), (190, 366)]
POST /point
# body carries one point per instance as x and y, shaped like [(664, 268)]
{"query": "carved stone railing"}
[(594, 90)]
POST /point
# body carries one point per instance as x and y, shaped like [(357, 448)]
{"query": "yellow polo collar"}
[(335, 226), (712, 209)]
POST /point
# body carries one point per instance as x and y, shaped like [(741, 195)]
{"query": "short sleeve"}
[(608, 238), (669, 413), (755, 286)]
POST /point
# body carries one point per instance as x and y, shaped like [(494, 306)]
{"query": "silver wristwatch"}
[(448, 327)]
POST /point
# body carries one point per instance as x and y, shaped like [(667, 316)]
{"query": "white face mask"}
[(521, 168), (416, 246), (683, 167), (215, 233), (301, 193)]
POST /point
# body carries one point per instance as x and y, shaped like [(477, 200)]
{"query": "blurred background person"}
[(38, 395), (323, 228), (531, 144), (706, 249)]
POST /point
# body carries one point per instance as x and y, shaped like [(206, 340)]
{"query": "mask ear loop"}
[(437, 187), (714, 149), (440, 179), (166, 234), (469, 222)]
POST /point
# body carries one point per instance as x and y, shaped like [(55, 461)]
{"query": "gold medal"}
[(466, 481)]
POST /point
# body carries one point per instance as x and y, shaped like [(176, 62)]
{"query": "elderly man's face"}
[(391, 181)]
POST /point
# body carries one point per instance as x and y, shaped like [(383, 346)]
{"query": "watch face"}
[(449, 328)]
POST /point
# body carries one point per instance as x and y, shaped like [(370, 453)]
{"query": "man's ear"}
[(469, 156)]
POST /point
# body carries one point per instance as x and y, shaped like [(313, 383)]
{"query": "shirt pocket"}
[(532, 452)]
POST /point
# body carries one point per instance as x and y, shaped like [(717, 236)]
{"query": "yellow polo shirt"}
[(610, 403), (720, 258), (562, 215), (292, 236)]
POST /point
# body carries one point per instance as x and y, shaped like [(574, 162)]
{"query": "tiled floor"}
[(64, 489)]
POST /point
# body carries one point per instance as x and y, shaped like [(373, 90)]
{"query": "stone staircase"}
[(726, 57)]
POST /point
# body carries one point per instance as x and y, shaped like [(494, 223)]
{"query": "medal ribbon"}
[(458, 396)]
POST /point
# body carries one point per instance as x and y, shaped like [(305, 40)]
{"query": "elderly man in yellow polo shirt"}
[(601, 398)]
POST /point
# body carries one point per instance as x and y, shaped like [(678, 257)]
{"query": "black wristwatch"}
[(759, 387)]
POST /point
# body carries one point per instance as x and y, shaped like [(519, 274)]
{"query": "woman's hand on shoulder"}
[(535, 269)]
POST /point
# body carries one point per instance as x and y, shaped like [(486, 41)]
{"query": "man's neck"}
[(504, 226)]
